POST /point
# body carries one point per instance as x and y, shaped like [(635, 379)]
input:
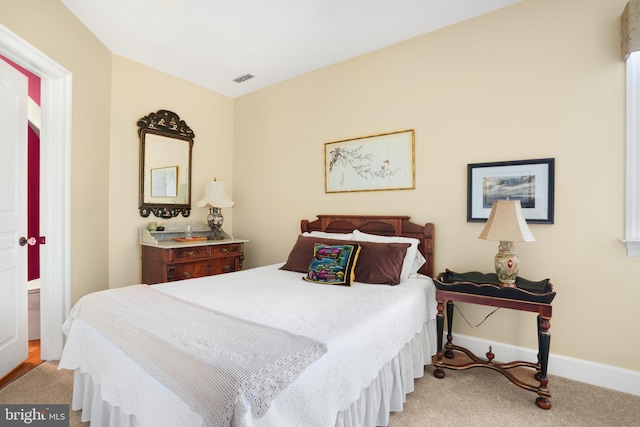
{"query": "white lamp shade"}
[(215, 196), (506, 223)]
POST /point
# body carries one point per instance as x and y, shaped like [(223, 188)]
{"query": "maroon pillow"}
[(302, 252), (378, 263)]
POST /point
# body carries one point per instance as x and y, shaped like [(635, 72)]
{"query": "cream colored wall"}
[(110, 94), (542, 78), (138, 90), (52, 29)]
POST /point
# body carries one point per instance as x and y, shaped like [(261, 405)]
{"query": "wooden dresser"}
[(169, 260)]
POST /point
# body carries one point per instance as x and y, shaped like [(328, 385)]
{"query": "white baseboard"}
[(624, 380)]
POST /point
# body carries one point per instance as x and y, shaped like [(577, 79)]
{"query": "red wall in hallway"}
[(33, 204)]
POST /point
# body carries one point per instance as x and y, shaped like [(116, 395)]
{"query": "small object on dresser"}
[(190, 239), (215, 198), (152, 226), (160, 228)]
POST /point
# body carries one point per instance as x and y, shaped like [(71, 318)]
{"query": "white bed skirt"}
[(385, 394)]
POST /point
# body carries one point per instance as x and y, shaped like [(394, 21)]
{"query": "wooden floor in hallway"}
[(31, 362)]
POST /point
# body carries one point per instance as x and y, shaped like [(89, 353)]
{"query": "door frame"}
[(55, 188)]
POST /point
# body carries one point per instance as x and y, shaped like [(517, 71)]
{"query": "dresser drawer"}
[(223, 265), (191, 254), (161, 265), (188, 270), (226, 250)]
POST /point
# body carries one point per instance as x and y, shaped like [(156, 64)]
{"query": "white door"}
[(14, 346)]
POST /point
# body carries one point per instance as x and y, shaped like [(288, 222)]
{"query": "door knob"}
[(31, 241)]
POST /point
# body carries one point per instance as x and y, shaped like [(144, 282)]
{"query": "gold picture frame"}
[(371, 163)]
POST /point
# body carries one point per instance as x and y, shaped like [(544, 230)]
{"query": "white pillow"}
[(413, 259), (340, 236), (418, 262)]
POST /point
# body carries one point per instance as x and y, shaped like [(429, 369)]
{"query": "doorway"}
[(55, 167), (33, 208)]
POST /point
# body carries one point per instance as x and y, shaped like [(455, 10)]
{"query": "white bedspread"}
[(364, 328), (218, 357)]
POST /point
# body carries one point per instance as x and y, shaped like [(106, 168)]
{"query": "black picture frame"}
[(530, 181)]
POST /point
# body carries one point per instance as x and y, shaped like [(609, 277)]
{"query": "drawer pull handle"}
[(224, 250), (187, 275), (226, 268), (191, 254)]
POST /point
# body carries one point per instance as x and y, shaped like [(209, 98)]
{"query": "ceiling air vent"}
[(243, 78)]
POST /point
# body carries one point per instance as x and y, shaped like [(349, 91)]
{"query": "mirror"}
[(165, 165)]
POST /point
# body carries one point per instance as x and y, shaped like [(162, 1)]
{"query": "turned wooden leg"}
[(490, 355), (544, 340), (439, 372), (448, 353), (537, 374)]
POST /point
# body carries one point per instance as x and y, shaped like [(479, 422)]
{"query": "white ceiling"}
[(212, 42)]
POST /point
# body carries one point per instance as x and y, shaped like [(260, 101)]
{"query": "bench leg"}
[(544, 341), (448, 352), (439, 372)]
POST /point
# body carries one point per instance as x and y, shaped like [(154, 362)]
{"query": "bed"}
[(351, 353)]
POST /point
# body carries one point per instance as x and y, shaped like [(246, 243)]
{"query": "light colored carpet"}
[(475, 397), (44, 384), (482, 397)]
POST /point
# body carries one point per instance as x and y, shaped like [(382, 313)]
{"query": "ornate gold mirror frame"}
[(165, 165)]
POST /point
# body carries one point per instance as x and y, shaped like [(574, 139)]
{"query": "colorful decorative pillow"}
[(333, 264)]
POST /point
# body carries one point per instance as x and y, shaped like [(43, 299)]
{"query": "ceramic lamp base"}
[(507, 265), (215, 220)]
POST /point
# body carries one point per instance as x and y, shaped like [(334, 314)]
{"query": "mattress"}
[(378, 338)]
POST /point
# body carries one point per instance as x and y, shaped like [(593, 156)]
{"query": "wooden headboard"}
[(382, 225)]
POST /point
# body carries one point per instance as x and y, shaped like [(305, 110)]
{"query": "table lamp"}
[(506, 224), (215, 197)]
